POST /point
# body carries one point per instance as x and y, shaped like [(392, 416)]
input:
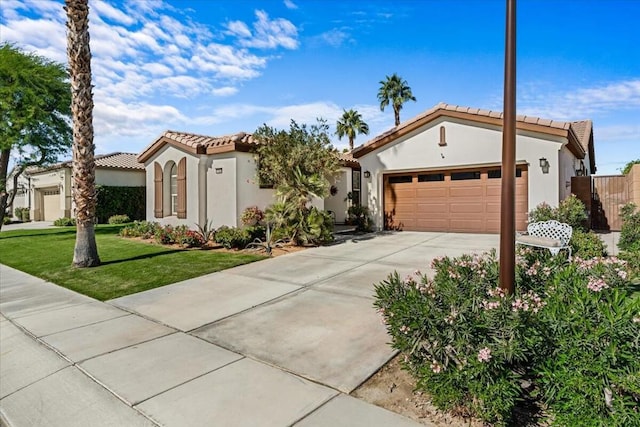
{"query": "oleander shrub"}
[(477, 351), (591, 376), (630, 231), (119, 219), (570, 211), (587, 244), (64, 222), (232, 237)]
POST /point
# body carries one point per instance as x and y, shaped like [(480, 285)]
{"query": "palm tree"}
[(351, 124), (395, 91), (85, 253)]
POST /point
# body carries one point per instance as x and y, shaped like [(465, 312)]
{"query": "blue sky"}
[(220, 67)]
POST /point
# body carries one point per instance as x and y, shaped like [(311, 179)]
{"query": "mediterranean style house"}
[(440, 171), (196, 179), (46, 192)]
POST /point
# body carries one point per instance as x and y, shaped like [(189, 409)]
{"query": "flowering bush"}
[(144, 229), (571, 211), (252, 216), (478, 351)]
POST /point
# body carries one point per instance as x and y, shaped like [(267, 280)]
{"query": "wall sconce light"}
[(579, 172), (544, 165), (367, 174), (218, 170)]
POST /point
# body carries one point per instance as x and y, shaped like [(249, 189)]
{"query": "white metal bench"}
[(552, 235)]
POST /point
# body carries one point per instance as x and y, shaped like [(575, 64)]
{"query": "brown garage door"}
[(455, 200)]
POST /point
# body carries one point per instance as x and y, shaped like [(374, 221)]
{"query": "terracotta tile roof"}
[(119, 161), (347, 159), (108, 161), (199, 144), (194, 140), (581, 129)]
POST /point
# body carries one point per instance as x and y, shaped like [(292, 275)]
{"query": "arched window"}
[(173, 188)]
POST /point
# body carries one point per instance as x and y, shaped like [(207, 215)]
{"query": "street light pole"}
[(507, 197)]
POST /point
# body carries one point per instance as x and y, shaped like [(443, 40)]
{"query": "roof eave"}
[(161, 142)]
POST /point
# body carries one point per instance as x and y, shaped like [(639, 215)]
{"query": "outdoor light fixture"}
[(544, 165), (218, 170), (579, 172), (367, 174)]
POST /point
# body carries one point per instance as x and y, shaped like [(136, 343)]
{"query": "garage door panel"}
[(437, 208), (465, 225), (431, 193), (461, 205), (464, 192), (466, 207)]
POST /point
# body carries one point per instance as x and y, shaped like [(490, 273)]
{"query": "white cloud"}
[(334, 37), (290, 5), (104, 9), (224, 91), (268, 33), (238, 29), (148, 57), (580, 103)]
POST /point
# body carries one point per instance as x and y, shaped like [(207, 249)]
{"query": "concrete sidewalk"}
[(275, 343)]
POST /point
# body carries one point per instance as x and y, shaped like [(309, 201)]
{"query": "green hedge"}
[(130, 201)]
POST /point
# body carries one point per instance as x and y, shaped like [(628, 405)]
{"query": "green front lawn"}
[(128, 266)]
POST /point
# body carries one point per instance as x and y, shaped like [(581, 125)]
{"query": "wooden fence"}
[(605, 195)]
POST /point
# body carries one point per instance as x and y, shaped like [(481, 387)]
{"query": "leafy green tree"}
[(85, 253), (350, 124), (298, 163), (300, 160), (627, 168), (394, 91), (35, 99)]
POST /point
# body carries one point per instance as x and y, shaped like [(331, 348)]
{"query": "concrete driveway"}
[(277, 342)]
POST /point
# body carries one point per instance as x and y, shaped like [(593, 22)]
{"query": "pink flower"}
[(484, 355), (435, 367), (596, 285), (404, 329)]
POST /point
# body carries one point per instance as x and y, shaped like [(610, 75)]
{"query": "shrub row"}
[(228, 237), (568, 339)]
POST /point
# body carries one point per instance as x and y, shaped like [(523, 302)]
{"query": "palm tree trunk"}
[(396, 115), (85, 253), (351, 143)]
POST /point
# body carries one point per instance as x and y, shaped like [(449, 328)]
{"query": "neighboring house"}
[(440, 171), (47, 191), (196, 179)]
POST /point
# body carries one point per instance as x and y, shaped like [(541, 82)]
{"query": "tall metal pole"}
[(508, 191)]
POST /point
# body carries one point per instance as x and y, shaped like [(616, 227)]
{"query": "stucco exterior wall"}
[(468, 144), (163, 156), (222, 193), (249, 191), (338, 203), (120, 177), (567, 165)]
